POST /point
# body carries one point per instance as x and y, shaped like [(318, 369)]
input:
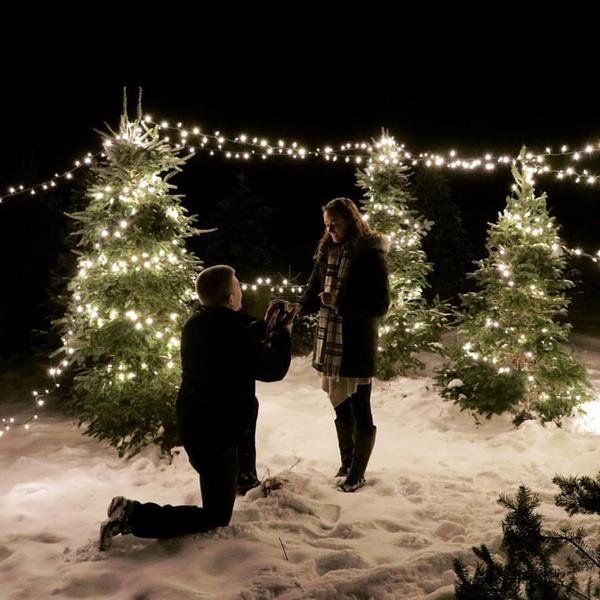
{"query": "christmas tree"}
[(513, 355), (410, 325), (131, 294)]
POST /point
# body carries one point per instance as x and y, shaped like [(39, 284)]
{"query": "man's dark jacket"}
[(223, 352)]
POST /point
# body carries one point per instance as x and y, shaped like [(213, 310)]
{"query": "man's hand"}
[(287, 316), (273, 308), (296, 307), (281, 313)]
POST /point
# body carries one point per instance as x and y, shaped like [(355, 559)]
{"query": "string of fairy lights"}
[(245, 147)]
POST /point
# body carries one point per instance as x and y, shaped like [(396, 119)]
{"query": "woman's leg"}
[(361, 407), (364, 438), (344, 426)]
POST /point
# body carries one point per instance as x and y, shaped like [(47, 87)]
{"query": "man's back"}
[(222, 353)]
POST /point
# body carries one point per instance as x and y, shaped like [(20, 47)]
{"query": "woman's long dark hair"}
[(345, 209)]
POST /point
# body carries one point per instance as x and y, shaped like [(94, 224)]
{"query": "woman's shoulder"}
[(372, 242)]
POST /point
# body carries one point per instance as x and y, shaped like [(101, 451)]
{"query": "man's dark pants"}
[(218, 470)]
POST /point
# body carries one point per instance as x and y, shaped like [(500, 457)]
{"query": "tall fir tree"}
[(447, 245), (513, 356), (131, 294), (410, 325), (242, 236)]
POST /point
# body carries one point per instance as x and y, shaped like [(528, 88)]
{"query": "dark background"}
[(475, 82)]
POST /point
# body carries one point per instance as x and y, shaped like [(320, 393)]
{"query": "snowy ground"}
[(433, 483)]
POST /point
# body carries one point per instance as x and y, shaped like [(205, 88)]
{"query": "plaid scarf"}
[(327, 357)]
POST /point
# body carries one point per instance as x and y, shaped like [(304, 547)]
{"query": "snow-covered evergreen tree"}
[(131, 294), (410, 325), (513, 355)]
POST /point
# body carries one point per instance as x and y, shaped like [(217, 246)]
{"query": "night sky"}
[(470, 91)]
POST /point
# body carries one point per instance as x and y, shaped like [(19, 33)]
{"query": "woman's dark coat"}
[(364, 297)]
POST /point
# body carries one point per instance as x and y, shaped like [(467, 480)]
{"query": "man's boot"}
[(246, 481), (117, 523)]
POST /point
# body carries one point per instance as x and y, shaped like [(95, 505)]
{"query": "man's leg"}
[(247, 477), (218, 480), (218, 483)]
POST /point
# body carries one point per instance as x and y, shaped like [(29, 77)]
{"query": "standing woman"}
[(349, 288)]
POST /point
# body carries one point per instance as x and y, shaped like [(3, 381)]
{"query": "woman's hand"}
[(327, 299)]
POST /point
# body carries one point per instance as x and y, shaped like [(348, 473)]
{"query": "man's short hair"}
[(214, 285)]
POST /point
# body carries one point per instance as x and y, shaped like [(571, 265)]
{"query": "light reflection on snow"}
[(588, 419)]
